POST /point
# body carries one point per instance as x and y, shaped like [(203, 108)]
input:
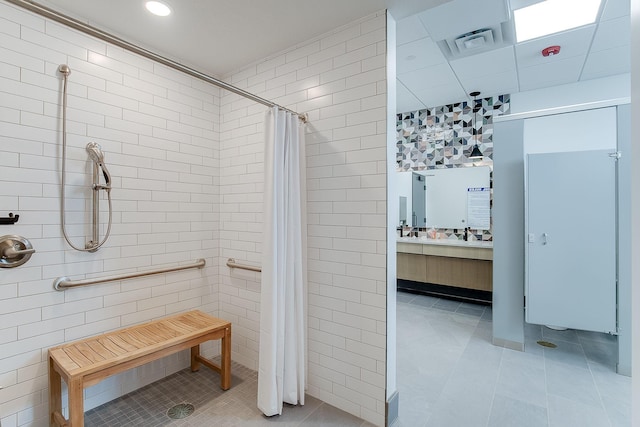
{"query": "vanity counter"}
[(446, 266), (453, 248)]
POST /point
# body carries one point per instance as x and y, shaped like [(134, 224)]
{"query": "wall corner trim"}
[(392, 419)]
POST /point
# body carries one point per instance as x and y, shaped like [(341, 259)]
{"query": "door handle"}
[(545, 238)]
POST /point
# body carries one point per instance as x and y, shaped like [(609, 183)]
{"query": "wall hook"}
[(11, 219)]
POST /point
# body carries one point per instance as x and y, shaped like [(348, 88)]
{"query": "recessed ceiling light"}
[(553, 16), (158, 8)]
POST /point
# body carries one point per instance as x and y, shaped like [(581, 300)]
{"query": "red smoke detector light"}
[(550, 51)]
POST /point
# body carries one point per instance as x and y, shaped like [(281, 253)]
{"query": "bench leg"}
[(76, 403), (225, 362), (195, 353), (55, 394)]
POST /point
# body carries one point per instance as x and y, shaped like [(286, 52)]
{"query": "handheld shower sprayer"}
[(95, 153), (97, 156)]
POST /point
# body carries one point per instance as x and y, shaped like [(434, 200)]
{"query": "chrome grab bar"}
[(231, 263), (62, 283)]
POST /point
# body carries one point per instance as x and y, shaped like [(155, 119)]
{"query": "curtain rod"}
[(104, 36)]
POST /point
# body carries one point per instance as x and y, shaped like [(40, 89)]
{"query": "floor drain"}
[(547, 344), (182, 410)]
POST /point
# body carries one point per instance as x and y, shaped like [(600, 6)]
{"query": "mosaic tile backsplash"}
[(444, 136)]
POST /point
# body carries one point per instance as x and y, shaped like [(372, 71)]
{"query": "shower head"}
[(95, 153)]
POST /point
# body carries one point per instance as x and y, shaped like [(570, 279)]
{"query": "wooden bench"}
[(87, 362)]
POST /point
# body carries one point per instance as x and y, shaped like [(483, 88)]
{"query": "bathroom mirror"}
[(458, 197), (451, 197)]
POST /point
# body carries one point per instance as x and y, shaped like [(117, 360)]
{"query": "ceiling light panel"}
[(554, 16)]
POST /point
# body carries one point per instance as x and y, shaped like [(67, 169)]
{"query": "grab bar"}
[(231, 262), (62, 283)]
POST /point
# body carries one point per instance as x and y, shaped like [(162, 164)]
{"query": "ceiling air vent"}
[(473, 42)]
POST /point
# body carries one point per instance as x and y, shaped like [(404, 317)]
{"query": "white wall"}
[(508, 234), (339, 80), (635, 206), (583, 92), (392, 221), (159, 130), (571, 132)]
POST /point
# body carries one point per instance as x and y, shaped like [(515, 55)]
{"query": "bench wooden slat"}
[(180, 327), (100, 349), (159, 331), (142, 337), (76, 355), (87, 362), (164, 332), (88, 352), (116, 340), (131, 340), (193, 321), (112, 346), (63, 358)]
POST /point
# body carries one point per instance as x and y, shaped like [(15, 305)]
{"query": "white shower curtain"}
[(281, 370)]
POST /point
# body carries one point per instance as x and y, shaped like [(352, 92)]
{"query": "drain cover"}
[(547, 344), (182, 410)]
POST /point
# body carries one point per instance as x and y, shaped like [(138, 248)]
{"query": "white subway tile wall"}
[(159, 130), (187, 166), (340, 80)]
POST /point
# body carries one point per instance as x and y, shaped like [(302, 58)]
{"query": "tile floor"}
[(148, 406), (450, 375)]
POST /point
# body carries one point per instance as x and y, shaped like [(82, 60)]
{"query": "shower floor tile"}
[(236, 407)]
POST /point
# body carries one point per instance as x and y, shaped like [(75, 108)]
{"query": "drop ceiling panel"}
[(406, 100), (418, 54), (437, 75), (409, 29), (462, 16), (607, 63), (572, 43), (519, 4), (612, 33), (441, 95), (554, 73), (616, 9), (487, 63), (492, 84)]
